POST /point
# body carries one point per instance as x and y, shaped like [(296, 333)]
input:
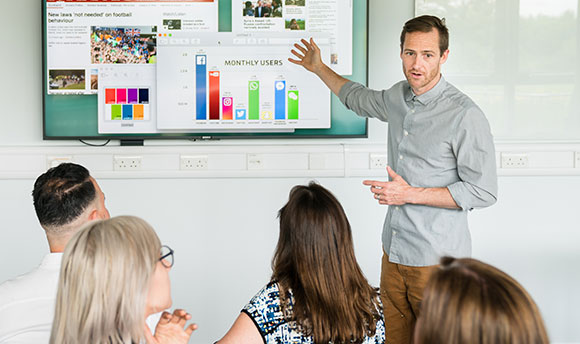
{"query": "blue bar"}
[(280, 99), (201, 87)]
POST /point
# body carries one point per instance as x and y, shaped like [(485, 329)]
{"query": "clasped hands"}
[(395, 192)]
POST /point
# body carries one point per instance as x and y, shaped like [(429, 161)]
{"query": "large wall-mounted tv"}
[(143, 69)]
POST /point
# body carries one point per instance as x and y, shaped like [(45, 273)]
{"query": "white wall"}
[(224, 229)]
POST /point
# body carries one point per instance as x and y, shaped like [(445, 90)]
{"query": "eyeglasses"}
[(166, 256)]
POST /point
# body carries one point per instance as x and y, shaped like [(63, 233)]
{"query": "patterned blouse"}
[(264, 309)]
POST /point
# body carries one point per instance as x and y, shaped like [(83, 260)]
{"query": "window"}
[(519, 60)]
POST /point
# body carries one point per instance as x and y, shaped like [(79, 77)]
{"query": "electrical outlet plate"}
[(53, 161), (514, 160), (193, 162), (577, 159), (127, 163), (255, 162), (377, 161)]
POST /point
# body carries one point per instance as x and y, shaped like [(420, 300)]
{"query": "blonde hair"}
[(467, 301), (104, 279)]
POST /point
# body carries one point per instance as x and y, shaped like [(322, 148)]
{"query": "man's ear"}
[(444, 57), (94, 215)]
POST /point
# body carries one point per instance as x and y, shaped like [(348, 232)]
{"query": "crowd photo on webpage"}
[(122, 45)]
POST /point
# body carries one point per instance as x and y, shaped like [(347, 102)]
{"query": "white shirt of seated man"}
[(27, 301)]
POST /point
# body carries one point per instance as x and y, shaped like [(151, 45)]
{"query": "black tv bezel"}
[(138, 139)]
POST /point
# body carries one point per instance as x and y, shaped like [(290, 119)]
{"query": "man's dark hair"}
[(427, 23), (62, 193)]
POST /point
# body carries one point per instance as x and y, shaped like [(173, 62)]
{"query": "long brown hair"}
[(315, 259), (467, 301)]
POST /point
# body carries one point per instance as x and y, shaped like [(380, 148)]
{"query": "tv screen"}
[(141, 69)]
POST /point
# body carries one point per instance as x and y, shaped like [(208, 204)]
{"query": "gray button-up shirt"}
[(438, 139)]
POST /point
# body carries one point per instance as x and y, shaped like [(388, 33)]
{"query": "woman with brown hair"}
[(317, 293), (467, 301)]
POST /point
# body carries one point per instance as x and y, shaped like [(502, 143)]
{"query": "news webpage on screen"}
[(162, 66)]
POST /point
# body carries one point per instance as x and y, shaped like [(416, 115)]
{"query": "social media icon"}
[(241, 114)]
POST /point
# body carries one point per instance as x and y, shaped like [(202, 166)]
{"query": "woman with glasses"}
[(114, 274), (317, 293)]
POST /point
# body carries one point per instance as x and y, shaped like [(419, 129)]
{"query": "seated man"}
[(65, 198)]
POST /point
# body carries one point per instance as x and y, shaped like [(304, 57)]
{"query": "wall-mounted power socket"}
[(514, 160), (377, 161), (255, 162), (126, 163), (193, 162), (577, 159), (53, 161)]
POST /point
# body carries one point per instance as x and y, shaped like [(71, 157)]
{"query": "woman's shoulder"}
[(268, 295), (265, 309)]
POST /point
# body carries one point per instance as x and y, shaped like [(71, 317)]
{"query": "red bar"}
[(110, 96), (214, 95)]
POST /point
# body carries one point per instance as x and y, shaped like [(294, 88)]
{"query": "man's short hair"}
[(62, 193), (426, 23)]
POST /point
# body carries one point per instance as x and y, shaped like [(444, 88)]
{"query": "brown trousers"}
[(401, 292)]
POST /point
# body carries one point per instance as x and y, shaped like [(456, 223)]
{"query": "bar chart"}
[(212, 104), (219, 85)]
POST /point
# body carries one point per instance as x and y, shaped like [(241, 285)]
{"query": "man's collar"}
[(52, 259), (428, 96)]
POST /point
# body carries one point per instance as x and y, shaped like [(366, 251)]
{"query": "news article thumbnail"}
[(295, 24), (66, 79), (172, 24), (262, 8), (123, 45)]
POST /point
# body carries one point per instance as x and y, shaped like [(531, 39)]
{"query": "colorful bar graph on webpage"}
[(254, 100), (200, 85), (293, 104), (280, 99), (214, 95), (227, 108), (126, 104)]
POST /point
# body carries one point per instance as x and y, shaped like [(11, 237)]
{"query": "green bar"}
[(293, 104), (116, 111), (254, 99)]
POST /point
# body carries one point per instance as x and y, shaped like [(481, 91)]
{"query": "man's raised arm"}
[(308, 55)]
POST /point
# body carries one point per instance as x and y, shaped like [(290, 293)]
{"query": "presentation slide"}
[(232, 81), (82, 36), (310, 17)]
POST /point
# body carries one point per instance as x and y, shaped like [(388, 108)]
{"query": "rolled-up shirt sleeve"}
[(476, 167), (363, 101)]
